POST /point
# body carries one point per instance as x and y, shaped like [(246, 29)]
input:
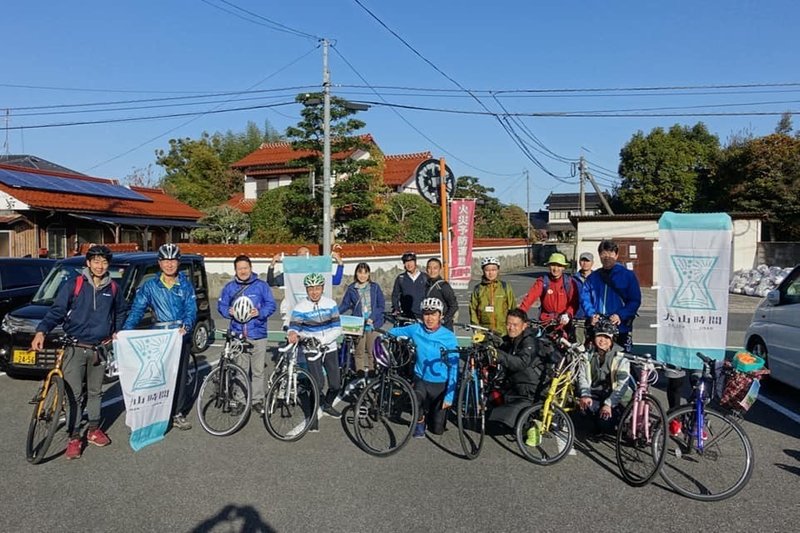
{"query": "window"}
[(90, 235), (5, 244), (792, 293), (56, 242)]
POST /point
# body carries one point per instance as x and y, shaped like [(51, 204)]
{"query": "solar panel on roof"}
[(29, 180)]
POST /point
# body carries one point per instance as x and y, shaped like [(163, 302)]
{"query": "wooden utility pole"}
[(445, 225)]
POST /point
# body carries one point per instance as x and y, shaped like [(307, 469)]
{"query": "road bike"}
[(386, 410), (292, 400), (708, 456), (640, 435), (545, 433), (52, 408), (223, 403)]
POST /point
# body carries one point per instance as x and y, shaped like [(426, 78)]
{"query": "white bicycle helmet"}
[(432, 304), (169, 251), (491, 260), (241, 309), (314, 280)]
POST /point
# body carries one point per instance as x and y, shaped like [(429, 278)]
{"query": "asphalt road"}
[(192, 481)]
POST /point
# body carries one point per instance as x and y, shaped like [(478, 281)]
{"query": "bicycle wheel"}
[(385, 414), (641, 458), (717, 471), (544, 445), (224, 400), (291, 405), (470, 412), (54, 413)]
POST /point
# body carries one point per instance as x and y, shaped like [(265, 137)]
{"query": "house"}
[(49, 210), (270, 167), (562, 206)]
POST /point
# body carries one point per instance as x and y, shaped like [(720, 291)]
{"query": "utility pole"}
[(326, 151), (582, 173), (528, 200), (599, 192)]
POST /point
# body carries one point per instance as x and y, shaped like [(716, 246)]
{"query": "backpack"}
[(567, 286), (79, 285)]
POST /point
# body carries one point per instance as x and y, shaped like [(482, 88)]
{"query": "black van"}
[(129, 270), (19, 279)]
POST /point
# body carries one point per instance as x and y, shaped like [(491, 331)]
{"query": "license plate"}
[(24, 357)]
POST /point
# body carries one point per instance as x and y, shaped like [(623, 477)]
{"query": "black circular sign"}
[(428, 184)]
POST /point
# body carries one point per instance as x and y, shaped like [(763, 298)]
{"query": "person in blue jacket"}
[(434, 379), (612, 291), (247, 302), (364, 298), (173, 302)]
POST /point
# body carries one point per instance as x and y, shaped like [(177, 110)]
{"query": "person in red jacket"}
[(558, 294)]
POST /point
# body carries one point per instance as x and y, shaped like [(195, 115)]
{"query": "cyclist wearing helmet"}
[(434, 379), (492, 298), (318, 316), (171, 297), (91, 308), (409, 288), (557, 293), (602, 382), (247, 301)]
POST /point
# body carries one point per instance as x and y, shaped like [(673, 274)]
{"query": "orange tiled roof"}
[(162, 205), (280, 153), (238, 201), (399, 168)]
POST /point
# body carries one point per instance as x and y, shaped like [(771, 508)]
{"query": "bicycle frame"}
[(55, 371), (641, 409)]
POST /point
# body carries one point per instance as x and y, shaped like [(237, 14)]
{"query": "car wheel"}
[(200, 337)]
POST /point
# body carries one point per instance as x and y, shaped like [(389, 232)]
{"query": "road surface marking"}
[(781, 409)]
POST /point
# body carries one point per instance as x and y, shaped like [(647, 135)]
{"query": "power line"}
[(262, 20)]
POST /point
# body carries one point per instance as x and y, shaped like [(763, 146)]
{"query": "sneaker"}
[(74, 449), (331, 412), (675, 427), (258, 407), (314, 427), (179, 421), (97, 437), (320, 413), (419, 430), (534, 436)]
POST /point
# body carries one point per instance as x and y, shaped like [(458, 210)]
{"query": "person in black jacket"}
[(409, 288), (439, 288), (524, 369)]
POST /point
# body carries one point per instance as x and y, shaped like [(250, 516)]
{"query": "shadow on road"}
[(235, 518), (794, 469)]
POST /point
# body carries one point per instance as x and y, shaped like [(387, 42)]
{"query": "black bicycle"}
[(223, 403), (386, 410)]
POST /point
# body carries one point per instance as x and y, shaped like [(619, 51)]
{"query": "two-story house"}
[(562, 206)]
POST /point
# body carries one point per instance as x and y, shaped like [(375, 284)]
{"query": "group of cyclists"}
[(605, 301)]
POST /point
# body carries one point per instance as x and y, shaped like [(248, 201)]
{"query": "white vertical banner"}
[(462, 222), (694, 268), (148, 369)]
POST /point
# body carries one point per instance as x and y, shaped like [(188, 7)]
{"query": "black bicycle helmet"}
[(98, 250), (607, 328)]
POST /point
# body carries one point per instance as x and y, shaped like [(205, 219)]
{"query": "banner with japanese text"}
[(294, 270), (148, 369), (462, 222), (694, 268)]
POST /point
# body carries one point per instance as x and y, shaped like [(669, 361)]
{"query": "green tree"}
[(662, 170), (763, 175), (410, 218), (268, 218), (493, 219), (222, 225)]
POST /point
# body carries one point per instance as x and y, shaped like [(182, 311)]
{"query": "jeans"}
[(79, 364), (254, 363)]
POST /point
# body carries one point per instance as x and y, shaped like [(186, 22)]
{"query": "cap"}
[(586, 255), (409, 256), (557, 259)]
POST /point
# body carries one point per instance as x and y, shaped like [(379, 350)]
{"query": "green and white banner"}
[(694, 267)]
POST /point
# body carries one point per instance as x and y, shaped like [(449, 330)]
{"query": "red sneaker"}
[(97, 437), (74, 449), (675, 427)]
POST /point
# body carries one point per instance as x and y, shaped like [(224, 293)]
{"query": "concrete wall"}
[(781, 254), (384, 268)]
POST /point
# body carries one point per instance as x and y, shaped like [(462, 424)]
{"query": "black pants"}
[(430, 397), (331, 362), (179, 404), (675, 386)]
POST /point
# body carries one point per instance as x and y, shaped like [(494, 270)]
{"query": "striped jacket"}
[(319, 320)]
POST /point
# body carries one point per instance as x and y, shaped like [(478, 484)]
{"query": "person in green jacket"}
[(491, 299)]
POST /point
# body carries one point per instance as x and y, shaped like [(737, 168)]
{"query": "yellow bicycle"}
[(545, 432)]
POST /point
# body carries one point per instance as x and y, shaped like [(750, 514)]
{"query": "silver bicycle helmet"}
[(432, 304), (169, 251), (491, 260), (242, 307)]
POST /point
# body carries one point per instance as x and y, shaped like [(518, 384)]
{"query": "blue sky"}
[(149, 49)]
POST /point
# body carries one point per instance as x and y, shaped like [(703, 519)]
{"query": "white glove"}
[(564, 319)]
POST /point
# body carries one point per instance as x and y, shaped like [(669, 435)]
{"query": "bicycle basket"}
[(741, 388)]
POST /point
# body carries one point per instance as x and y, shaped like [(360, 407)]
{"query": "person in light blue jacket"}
[(364, 298), (434, 379), (247, 301)]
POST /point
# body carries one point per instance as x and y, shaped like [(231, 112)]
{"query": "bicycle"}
[(640, 435), (386, 410), (292, 398), (223, 403), (708, 456), (545, 432), (474, 385), (52, 408)]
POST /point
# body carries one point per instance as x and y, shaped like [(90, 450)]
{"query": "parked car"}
[(775, 331), (130, 271), (19, 279)]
